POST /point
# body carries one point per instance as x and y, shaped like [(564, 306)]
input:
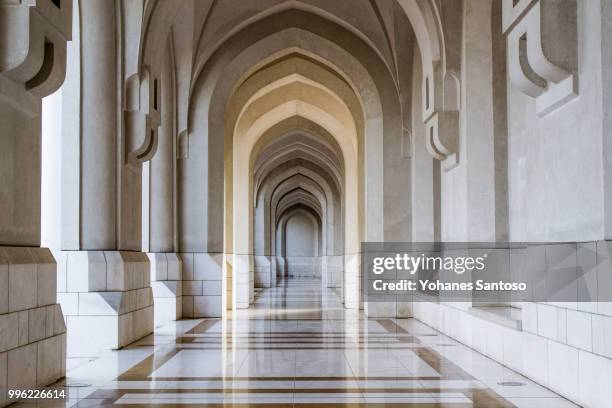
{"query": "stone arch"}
[(280, 262), (294, 152), (375, 90), (292, 212), (284, 154), (331, 197), (227, 209), (277, 163), (302, 184), (286, 40)]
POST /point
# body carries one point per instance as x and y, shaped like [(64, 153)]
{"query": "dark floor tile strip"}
[(298, 334), (293, 335), (144, 369), (322, 347), (118, 393), (294, 340), (206, 405), (91, 403), (260, 378), (203, 327), (384, 405), (446, 368), (487, 398), (393, 327), (303, 405), (483, 398), (308, 333)]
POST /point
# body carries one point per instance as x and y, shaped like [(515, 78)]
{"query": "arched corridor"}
[(191, 191)]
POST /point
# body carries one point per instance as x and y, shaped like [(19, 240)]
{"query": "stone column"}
[(104, 282), (32, 65), (606, 66), (159, 239)]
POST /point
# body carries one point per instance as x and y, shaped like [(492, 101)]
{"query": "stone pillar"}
[(159, 242), (261, 247), (32, 65), (478, 114), (98, 229), (104, 281), (606, 65)]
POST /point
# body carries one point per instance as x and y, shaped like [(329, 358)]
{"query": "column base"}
[(32, 329), (107, 299), (263, 276), (304, 267), (352, 282), (202, 284), (243, 281), (167, 286), (281, 267), (273, 272), (332, 270)]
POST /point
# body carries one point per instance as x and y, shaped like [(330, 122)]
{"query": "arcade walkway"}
[(297, 347)]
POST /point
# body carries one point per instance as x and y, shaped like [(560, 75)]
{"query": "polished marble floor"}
[(297, 347)]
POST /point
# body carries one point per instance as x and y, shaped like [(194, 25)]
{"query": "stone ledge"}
[(506, 316)]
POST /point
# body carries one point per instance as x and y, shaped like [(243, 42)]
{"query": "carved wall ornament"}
[(442, 137), (33, 43), (542, 47), (442, 123), (142, 116)]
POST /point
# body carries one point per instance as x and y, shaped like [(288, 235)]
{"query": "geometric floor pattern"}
[(297, 347)]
